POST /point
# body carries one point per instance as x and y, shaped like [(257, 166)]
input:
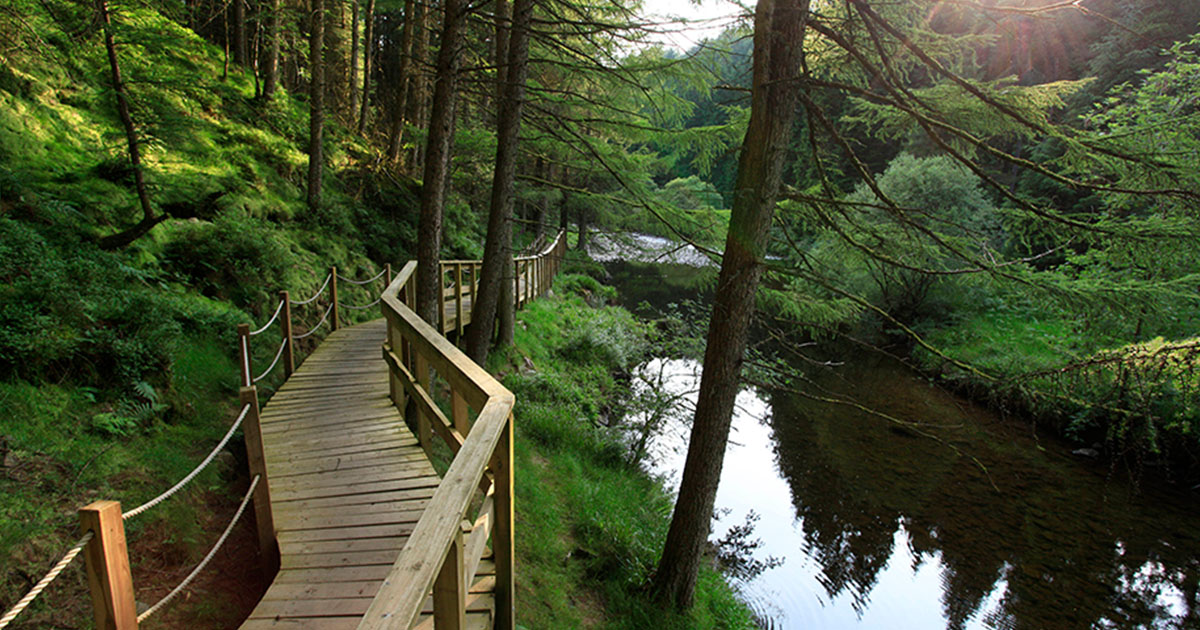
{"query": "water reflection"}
[(880, 527)]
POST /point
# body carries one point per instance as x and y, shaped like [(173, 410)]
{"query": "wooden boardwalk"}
[(348, 483)]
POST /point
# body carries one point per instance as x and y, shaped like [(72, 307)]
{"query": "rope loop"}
[(37, 589), (203, 563), (314, 328), (192, 475), (278, 353), (312, 299), (278, 310), (363, 307), (362, 282)]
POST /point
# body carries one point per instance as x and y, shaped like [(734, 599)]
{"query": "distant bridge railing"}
[(448, 542)]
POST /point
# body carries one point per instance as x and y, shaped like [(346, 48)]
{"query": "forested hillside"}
[(1003, 194)]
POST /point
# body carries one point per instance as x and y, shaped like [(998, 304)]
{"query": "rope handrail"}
[(379, 275), (278, 353), (314, 328), (37, 589), (312, 299), (192, 475), (363, 307), (278, 310), (203, 563)]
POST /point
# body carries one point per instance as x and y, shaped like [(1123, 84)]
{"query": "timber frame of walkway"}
[(354, 524)]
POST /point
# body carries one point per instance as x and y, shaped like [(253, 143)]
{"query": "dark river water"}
[(969, 520)]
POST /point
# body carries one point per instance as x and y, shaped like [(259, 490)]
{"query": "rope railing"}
[(314, 328), (274, 362), (318, 294), (363, 307), (37, 589), (362, 282), (203, 563), (278, 310), (192, 475), (103, 522)]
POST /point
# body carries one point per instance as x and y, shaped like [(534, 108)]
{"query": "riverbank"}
[(590, 523)]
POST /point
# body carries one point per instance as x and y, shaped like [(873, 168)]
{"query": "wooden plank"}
[(350, 487), (289, 539), (354, 499)]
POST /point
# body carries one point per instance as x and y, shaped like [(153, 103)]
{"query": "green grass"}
[(590, 526)]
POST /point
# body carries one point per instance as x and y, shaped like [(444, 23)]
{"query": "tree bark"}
[(352, 84), (437, 159), (403, 81), (125, 237), (239, 32), (778, 39), (316, 96), (368, 55), (497, 252), (270, 66)]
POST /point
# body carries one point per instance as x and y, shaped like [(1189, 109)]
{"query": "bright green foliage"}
[(591, 524)]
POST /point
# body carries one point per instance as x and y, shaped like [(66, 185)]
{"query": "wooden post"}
[(404, 356), (516, 284), (289, 356), (268, 546), (458, 305), (243, 331), (441, 295), (387, 275), (109, 578), (333, 316), (424, 428), (449, 592), (458, 412), (474, 284), (502, 533)]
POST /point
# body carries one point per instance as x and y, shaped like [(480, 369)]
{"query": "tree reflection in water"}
[(1037, 541)]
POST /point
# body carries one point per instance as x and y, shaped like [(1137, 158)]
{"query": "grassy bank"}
[(590, 525)]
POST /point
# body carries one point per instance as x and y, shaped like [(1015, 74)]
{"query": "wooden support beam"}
[(268, 545), (449, 592), (458, 303), (109, 578), (243, 333), (333, 316), (502, 533), (289, 356), (458, 411)]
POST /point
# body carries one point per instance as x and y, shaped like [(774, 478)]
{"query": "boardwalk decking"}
[(348, 483)]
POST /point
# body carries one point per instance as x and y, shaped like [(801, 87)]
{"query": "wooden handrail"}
[(446, 545)]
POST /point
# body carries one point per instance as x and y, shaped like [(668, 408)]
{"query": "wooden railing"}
[(448, 542)]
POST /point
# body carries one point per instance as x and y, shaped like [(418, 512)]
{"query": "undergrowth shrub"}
[(235, 257), (70, 309)]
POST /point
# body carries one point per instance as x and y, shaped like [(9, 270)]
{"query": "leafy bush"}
[(235, 257)]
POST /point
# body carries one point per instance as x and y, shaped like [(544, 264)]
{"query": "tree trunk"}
[(123, 238), (270, 67), (497, 252), (778, 38), (352, 85), (368, 54), (418, 83), (403, 81), (239, 32), (316, 96), (437, 159), (500, 51)]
